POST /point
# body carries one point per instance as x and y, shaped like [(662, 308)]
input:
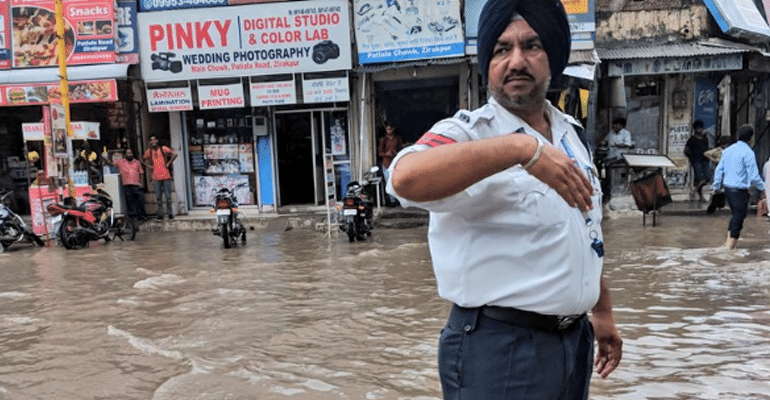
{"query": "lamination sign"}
[(263, 39)]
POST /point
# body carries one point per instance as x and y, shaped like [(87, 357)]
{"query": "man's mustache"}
[(518, 74)]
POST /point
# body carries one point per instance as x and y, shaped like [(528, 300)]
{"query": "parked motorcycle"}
[(13, 229), (358, 208), (229, 225), (93, 219)]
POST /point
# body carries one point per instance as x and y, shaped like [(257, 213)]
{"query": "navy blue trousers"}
[(738, 200), (481, 358)]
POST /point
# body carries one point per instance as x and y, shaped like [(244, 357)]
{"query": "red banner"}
[(44, 93), (5, 35), (89, 32)]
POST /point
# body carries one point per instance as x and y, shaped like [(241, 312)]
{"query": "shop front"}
[(259, 110)]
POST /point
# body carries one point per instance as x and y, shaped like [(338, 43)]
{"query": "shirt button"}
[(467, 328)]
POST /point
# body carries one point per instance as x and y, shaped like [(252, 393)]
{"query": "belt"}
[(529, 319)]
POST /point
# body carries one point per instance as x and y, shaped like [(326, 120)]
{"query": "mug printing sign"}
[(221, 96), (89, 32), (262, 39)]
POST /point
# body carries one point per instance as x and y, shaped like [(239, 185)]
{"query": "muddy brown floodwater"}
[(294, 315)]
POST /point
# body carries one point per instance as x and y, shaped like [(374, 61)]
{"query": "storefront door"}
[(303, 140)]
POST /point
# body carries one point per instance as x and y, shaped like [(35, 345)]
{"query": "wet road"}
[(293, 315)]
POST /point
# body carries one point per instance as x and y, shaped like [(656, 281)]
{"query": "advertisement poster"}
[(59, 130), (409, 30), (169, 99), (325, 90), (260, 39), (44, 93), (127, 40), (207, 186), (221, 96), (5, 34), (580, 15), (246, 157), (33, 131), (273, 93), (706, 99), (89, 32)]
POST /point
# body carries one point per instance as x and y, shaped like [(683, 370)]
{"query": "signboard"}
[(169, 99), (325, 90), (5, 34), (33, 131), (221, 96), (668, 65), (392, 31), (117, 116), (158, 5), (89, 32), (739, 18), (127, 40), (44, 93), (273, 93), (262, 39), (58, 130), (706, 107), (580, 15)]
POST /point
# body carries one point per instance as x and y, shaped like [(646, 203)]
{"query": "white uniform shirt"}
[(510, 240), (616, 138)]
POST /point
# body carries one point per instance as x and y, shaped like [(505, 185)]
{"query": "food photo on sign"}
[(88, 32)]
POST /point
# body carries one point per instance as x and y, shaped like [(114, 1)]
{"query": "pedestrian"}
[(515, 236), (131, 178), (87, 160), (159, 159), (737, 171), (766, 174), (618, 141), (695, 148), (389, 146)]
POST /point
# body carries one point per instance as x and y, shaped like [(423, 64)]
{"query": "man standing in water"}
[(514, 234), (159, 159), (737, 171)]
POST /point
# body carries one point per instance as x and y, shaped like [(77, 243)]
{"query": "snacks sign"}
[(264, 39), (89, 32), (44, 93)]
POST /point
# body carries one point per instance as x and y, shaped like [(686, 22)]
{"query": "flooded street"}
[(293, 315)]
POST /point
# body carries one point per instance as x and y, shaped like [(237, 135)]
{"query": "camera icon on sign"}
[(163, 61), (325, 51)]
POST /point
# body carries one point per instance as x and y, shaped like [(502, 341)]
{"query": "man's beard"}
[(129, 158), (534, 97)]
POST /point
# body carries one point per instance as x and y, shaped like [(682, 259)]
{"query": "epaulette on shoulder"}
[(470, 118)]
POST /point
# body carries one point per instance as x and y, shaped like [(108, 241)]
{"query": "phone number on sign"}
[(171, 4)]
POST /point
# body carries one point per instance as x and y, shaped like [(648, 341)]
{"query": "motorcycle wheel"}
[(243, 236), (35, 239), (2, 247), (124, 229), (70, 239), (226, 236), (352, 232)]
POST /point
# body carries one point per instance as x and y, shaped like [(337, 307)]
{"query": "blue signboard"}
[(128, 36), (390, 30), (740, 18), (705, 107), (158, 5)]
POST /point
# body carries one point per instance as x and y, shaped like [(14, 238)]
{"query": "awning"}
[(703, 56), (710, 47), (739, 18), (74, 73)]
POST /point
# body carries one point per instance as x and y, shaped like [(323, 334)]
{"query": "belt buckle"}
[(565, 322)]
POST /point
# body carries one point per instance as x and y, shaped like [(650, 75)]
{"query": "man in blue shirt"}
[(737, 171)]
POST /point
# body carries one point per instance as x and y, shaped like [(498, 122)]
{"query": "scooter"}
[(13, 229), (229, 225), (93, 219), (358, 208)]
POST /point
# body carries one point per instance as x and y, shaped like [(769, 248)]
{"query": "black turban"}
[(546, 17)]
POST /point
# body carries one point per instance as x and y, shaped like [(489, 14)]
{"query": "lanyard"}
[(596, 244)]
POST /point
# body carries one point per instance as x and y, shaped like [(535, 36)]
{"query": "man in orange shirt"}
[(159, 159), (131, 173)]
